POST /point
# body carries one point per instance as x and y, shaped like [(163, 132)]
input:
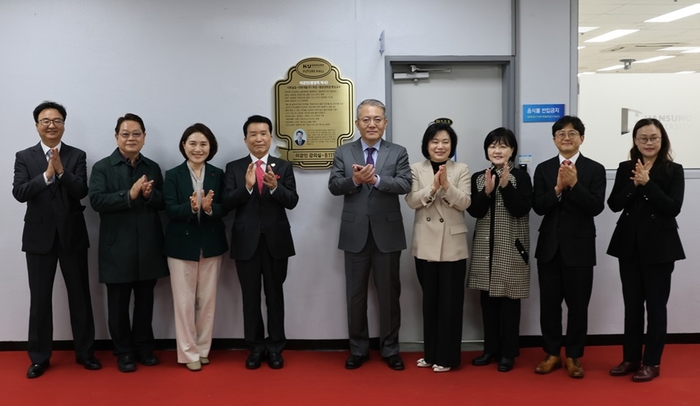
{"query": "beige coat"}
[(439, 231)]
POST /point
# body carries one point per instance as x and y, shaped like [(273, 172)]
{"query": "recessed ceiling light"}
[(611, 35), (581, 47), (692, 51), (656, 58), (676, 15), (614, 67), (583, 30), (685, 72)]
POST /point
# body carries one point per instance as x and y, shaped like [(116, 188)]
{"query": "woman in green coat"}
[(195, 240)]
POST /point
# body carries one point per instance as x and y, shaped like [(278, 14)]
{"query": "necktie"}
[(567, 162), (370, 158), (48, 158), (259, 174)]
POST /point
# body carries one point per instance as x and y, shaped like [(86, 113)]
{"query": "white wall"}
[(178, 62)]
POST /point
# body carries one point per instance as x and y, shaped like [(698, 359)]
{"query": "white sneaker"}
[(438, 368), (422, 364)]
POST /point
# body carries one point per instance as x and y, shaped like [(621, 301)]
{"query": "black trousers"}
[(501, 317), (443, 306), (384, 267), (41, 269), (651, 285), (131, 338), (573, 284), (260, 272)]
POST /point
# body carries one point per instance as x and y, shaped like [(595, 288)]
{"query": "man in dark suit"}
[(569, 190), (261, 188), (51, 177), (370, 174), (299, 138)]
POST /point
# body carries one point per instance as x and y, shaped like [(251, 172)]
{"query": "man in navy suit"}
[(261, 188), (370, 174), (51, 177), (569, 190)]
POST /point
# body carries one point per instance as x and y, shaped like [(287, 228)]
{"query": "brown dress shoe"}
[(574, 368), (625, 368), (550, 363), (646, 373)]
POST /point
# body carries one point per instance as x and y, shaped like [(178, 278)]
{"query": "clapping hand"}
[(363, 174), (640, 173)]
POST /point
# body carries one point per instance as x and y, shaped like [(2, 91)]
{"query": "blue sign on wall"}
[(542, 113)]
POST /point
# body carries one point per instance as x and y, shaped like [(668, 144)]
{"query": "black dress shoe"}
[(90, 363), (505, 364), (356, 361), (148, 359), (254, 360), (394, 361), (625, 368), (484, 359), (646, 373), (126, 363), (37, 370), (275, 360)]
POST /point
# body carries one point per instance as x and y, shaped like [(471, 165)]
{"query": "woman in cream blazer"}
[(440, 194)]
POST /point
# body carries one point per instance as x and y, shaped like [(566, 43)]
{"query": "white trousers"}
[(194, 301)]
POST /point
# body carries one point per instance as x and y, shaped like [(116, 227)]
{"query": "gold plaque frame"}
[(313, 113)]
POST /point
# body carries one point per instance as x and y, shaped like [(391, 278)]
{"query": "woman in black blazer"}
[(649, 190), (195, 240)]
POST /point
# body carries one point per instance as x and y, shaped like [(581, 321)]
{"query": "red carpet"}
[(319, 378)]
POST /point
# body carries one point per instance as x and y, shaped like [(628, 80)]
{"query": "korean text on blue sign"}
[(542, 113)]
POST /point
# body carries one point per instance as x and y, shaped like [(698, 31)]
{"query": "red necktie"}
[(259, 174), (566, 162)]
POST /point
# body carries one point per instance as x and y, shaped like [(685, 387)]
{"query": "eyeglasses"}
[(644, 140), (367, 120), (135, 134), (563, 134), (47, 122)]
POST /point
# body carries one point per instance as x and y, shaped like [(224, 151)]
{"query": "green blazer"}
[(185, 235), (131, 234)]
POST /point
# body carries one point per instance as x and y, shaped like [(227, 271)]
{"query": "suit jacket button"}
[(442, 220), (653, 216), (428, 219)]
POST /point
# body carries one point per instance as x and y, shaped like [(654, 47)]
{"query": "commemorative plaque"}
[(313, 113)]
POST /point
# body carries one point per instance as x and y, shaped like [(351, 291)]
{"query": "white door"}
[(472, 96)]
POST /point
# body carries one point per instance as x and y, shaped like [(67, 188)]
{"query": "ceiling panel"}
[(609, 15)]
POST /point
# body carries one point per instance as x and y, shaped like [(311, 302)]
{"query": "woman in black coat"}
[(649, 191)]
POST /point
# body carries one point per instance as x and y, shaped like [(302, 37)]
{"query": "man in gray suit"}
[(370, 174)]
